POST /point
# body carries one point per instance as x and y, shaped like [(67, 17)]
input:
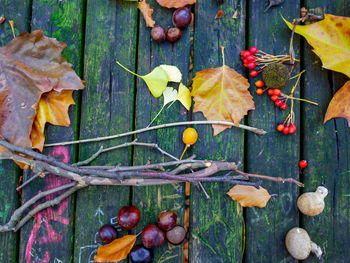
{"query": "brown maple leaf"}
[(31, 68), (147, 13), (222, 95), (175, 3)]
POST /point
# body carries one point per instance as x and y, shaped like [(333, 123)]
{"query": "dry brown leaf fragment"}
[(235, 14), (219, 14), (339, 107), (147, 13), (175, 3), (117, 250), (2, 19), (249, 196)]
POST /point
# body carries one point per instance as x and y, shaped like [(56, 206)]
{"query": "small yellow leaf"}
[(169, 95), (117, 250), (156, 81), (184, 96), (174, 74), (249, 196)]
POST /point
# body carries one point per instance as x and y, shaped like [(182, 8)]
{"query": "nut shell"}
[(298, 243)]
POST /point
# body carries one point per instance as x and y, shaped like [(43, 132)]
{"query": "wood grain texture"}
[(217, 225), (18, 11), (52, 237), (274, 154), (154, 199), (107, 108), (326, 147)]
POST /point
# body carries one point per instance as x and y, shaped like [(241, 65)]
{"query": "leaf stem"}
[(223, 55), (128, 70)]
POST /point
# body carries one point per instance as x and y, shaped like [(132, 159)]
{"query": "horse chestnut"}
[(176, 235), (152, 236), (182, 17), (140, 254), (166, 220), (173, 34), (107, 234), (158, 34), (128, 217)]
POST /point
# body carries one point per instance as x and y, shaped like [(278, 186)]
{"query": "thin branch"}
[(252, 129), (28, 181)]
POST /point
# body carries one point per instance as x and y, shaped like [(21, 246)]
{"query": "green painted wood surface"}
[(106, 109), (217, 225), (64, 21), (274, 154), (9, 173), (154, 199), (326, 147)]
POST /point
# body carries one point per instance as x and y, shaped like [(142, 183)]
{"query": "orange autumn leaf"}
[(219, 14), (175, 3), (222, 95), (147, 13), (339, 107), (117, 250), (330, 39), (249, 196)]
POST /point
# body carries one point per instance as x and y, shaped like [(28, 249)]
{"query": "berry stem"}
[(304, 100), (182, 155)]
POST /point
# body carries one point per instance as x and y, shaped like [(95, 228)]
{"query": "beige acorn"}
[(312, 203), (299, 244)]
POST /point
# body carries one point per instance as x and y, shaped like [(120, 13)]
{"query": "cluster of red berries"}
[(274, 96), (287, 129), (249, 59)]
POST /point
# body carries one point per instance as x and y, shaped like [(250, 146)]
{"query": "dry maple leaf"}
[(175, 3), (249, 196), (330, 39), (31, 65), (116, 250), (222, 95), (339, 107), (147, 13)]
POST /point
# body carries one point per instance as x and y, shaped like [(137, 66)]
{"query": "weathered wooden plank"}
[(107, 108), (326, 147), (274, 154), (48, 238), (9, 172), (217, 225), (152, 200)]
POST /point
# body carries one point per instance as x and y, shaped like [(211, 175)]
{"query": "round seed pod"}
[(276, 75)]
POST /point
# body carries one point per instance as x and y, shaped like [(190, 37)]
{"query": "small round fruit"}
[(280, 127), (173, 34), (251, 65), (242, 53), (277, 92), (190, 136), (158, 34), (176, 235), (259, 91), (107, 234), (284, 106), (152, 236), (259, 83), (251, 58), (166, 220), (140, 254), (286, 130), (182, 17), (245, 61), (128, 217), (292, 129), (254, 73), (246, 53), (278, 103), (253, 50), (303, 164), (274, 98), (270, 92)]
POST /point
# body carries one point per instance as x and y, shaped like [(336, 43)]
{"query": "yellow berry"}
[(189, 136)]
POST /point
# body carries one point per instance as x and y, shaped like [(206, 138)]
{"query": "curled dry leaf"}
[(222, 95), (31, 68), (219, 14), (339, 107), (249, 196), (147, 13), (175, 3), (117, 250)]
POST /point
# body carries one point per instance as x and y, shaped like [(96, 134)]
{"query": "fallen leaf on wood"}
[(330, 39), (174, 74), (235, 14), (31, 65), (222, 95), (339, 107), (117, 250), (249, 196), (219, 14), (147, 13), (175, 3), (184, 96)]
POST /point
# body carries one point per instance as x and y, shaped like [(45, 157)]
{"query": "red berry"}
[(254, 73), (280, 127), (270, 92), (278, 103), (286, 130), (253, 50), (284, 106), (245, 65), (302, 164), (274, 98), (246, 54), (277, 92), (259, 91), (251, 58), (251, 65), (242, 53), (259, 83), (128, 217), (292, 129), (245, 61)]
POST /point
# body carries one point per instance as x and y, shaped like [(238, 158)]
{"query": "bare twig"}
[(28, 181), (98, 139)]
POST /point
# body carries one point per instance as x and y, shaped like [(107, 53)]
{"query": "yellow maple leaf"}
[(222, 95), (330, 39)]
